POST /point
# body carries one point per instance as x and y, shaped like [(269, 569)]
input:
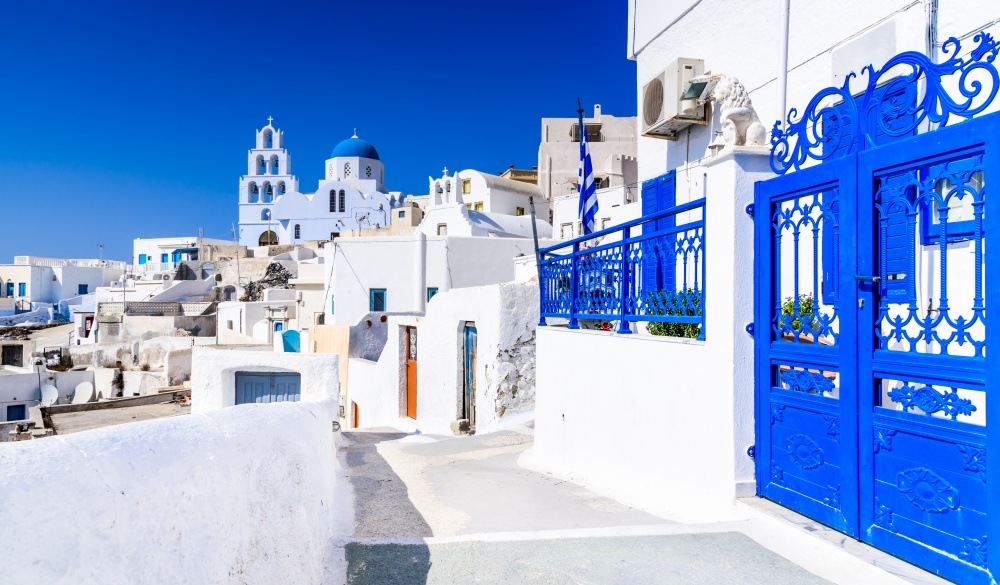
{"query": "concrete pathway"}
[(442, 510)]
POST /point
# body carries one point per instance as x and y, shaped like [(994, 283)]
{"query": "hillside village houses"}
[(780, 323)]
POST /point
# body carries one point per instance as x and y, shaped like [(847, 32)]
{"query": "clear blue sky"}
[(133, 119)]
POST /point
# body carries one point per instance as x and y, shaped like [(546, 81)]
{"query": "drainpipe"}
[(783, 65), (930, 10), (420, 273)]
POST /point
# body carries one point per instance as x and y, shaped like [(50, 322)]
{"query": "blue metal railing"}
[(612, 275)]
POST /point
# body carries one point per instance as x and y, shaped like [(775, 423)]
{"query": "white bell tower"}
[(269, 168)]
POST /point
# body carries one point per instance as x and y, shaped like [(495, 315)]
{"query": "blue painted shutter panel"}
[(649, 203), (667, 197)]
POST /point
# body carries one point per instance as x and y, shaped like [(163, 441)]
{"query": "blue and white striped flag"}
[(585, 185)]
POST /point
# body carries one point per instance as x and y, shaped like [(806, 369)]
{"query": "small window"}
[(605, 222), (81, 289), (519, 211), (347, 170), (368, 171), (17, 412), (378, 299), (431, 291), (298, 231), (402, 214), (468, 206), (466, 186), (343, 201), (479, 206), (142, 258), (442, 229), (229, 324), (566, 231), (333, 203), (279, 327), (164, 258), (22, 289)]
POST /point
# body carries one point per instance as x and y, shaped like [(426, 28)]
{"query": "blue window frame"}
[(278, 327), (377, 299), (164, 258), (10, 289), (142, 258), (81, 289), (22, 289), (17, 412), (431, 291)]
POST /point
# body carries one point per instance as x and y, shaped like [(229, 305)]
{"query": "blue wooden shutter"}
[(667, 197), (649, 203), (658, 268)]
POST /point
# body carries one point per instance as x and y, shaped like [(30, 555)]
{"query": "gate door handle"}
[(867, 278)]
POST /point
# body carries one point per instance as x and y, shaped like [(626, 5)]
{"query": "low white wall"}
[(139, 383), (243, 495), (24, 388), (213, 374)]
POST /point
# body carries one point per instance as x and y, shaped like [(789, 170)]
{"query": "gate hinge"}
[(749, 328), (749, 210), (751, 452)]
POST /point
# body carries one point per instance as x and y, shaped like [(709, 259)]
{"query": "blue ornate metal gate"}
[(872, 378)]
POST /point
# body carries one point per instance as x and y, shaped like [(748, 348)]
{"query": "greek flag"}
[(585, 185)]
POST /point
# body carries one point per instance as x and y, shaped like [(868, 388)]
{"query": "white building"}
[(352, 194), (612, 151), (164, 254), (476, 204), (33, 283)]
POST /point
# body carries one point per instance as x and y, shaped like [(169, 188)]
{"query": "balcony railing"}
[(616, 275)]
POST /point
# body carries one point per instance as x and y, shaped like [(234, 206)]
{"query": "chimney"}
[(597, 112)]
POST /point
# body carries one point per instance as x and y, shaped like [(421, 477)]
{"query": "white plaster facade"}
[(352, 194), (504, 315), (612, 152), (32, 282), (213, 375), (163, 254), (409, 268), (615, 205)]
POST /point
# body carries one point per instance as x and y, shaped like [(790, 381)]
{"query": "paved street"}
[(445, 510)]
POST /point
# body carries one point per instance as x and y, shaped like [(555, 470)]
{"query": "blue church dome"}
[(354, 146)]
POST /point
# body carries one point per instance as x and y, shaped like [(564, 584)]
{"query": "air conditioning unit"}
[(664, 112), (166, 277)]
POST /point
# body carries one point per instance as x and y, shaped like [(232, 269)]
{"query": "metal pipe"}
[(783, 64)]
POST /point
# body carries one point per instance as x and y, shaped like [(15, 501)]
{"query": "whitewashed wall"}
[(243, 495), (213, 374), (659, 423), (505, 317)]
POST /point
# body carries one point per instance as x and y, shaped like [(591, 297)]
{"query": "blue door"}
[(469, 387), (264, 387), (870, 317)]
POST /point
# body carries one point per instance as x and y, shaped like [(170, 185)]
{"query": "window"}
[(468, 206), (442, 229), (164, 258), (142, 258), (605, 222), (10, 288), (81, 289), (377, 299), (519, 211), (566, 231), (368, 171), (253, 193), (229, 324), (466, 186), (343, 201), (22, 289), (279, 327), (347, 170), (298, 232), (402, 214), (479, 206), (431, 291), (334, 235), (17, 412), (333, 203)]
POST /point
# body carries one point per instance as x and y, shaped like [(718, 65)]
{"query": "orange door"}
[(355, 405), (411, 372)]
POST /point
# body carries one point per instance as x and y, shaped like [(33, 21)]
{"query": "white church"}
[(351, 196)]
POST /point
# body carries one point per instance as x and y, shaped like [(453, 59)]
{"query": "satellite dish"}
[(84, 393), (50, 395)]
